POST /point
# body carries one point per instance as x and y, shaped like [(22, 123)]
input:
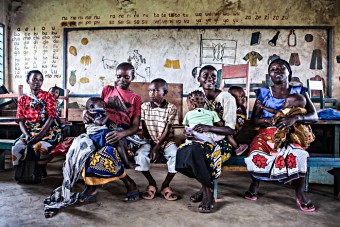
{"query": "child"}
[(98, 129), (198, 115), (241, 113), (157, 117), (299, 133), (55, 91)]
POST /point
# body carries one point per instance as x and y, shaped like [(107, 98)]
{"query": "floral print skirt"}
[(286, 164)]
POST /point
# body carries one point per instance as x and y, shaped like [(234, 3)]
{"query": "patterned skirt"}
[(199, 160), (103, 166), (43, 147), (286, 164)]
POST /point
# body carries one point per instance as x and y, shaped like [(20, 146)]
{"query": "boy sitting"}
[(157, 117)]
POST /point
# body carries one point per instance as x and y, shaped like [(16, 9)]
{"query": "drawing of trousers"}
[(172, 63), (143, 160), (294, 59), (316, 59)]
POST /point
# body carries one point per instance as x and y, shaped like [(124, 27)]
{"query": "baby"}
[(198, 115), (298, 133), (98, 129), (241, 113), (55, 91)]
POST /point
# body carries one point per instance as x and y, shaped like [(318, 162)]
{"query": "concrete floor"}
[(22, 205)]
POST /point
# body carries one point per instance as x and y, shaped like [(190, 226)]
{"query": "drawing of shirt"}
[(253, 57)]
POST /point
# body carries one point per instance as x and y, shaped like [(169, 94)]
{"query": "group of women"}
[(202, 161)]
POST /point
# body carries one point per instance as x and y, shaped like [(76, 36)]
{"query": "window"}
[(2, 53)]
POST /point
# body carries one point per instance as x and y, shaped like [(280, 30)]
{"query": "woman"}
[(291, 162), (203, 161), (104, 165), (37, 111)]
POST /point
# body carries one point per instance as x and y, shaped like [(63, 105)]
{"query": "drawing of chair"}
[(317, 85), (232, 72)]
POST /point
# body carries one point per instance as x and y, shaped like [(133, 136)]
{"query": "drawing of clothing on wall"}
[(294, 59), (253, 57), (316, 59), (175, 64)]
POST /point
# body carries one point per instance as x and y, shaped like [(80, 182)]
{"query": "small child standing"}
[(55, 91), (98, 129), (241, 113), (298, 133), (157, 117), (198, 115)]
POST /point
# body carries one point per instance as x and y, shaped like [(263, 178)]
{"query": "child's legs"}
[(170, 155), (232, 141), (121, 147), (142, 158)]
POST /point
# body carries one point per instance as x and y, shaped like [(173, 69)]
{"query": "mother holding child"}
[(277, 152)]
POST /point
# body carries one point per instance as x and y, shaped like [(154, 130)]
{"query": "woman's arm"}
[(309, 118), (255, 117), (114, 136), (224, 130)]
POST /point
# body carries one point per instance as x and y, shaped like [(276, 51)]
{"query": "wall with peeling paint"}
[(37, 28)]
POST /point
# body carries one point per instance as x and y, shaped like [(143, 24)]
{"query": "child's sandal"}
[(306, 207), (250, 196)]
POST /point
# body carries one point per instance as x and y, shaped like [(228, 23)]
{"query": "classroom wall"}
[(37, 28)]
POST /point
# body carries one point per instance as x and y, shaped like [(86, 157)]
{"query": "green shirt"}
[(200, 116)]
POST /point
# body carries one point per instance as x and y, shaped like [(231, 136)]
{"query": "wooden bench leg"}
[(215, 189), (2, 160), (307, 180), (336, 173)]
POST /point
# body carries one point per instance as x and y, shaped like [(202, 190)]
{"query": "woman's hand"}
[(188, 134), (87, 117), (201, 128), (286, 122), (114, 136), (258, 104)]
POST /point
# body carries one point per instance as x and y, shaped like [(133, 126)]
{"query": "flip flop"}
[(86, 196), (149, 192), (250, 196), (197, 197), (169, 194), (132, 197), (209, 207), (306, 207)]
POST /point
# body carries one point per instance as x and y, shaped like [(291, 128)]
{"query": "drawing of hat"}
[(309, 38)]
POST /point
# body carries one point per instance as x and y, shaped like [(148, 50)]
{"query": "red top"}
[(122, 105), (26, 113)]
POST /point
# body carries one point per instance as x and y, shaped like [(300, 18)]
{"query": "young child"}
[(241, 113), (55, 91), (198, 115), (101, 126), (298, 133), (157, 117)]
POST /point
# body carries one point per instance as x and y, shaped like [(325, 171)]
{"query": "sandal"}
[(169, 194), (250, 196), (206, 207), (150, 192), (132, 197), (306, 207), (197, 197)]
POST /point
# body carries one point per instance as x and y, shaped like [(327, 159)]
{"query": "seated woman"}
[(290, 164), (203, 160), (104, 165), (37, 111)]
